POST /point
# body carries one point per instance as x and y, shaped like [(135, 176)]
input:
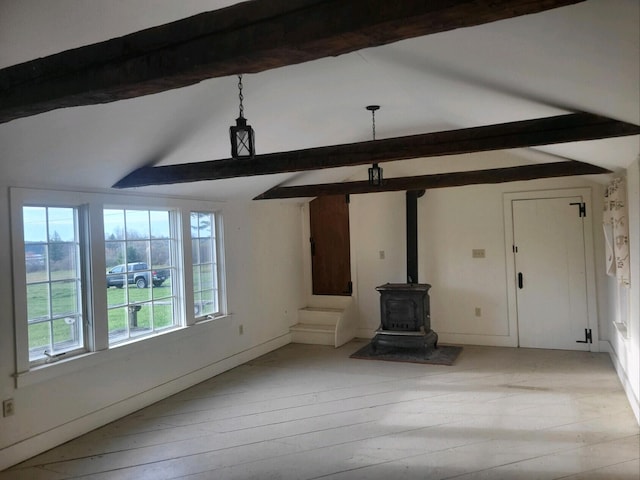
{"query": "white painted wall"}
[(451, 223), (625, 346), (378, 224), (454, 222), (264, 282)]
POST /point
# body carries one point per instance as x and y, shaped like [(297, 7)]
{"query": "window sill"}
[(209, 319), (66, 366)]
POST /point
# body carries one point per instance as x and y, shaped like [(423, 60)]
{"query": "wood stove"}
[(405, 317)]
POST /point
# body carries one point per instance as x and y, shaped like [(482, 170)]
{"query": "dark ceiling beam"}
[(542, 131), (440, 180), (248, 37)]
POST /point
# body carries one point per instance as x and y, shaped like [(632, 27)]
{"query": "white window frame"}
[(91, 206), (20, 274), (219, 253), (175, 237)]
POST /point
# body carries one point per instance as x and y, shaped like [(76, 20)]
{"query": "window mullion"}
[(49, 291), (51, 336), (187, 269), (97, 267), (220, 264)]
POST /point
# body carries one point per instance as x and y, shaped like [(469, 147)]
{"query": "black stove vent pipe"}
[(412, 235)]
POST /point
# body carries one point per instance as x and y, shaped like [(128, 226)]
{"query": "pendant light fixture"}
[(375, 172), (242, 135)]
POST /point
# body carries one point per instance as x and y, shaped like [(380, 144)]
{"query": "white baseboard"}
[(27, 448), (605, 346), (484, 340)]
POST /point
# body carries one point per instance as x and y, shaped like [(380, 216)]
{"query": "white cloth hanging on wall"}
[(610, 258), (616, 230)]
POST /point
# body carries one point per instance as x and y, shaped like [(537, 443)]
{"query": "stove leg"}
[(431, 339)]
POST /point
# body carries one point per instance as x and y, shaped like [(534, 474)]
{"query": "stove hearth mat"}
[(443, 355)]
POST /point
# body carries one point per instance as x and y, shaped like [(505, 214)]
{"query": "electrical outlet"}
[(240, 329), (8, 408), (381, 254), (478, 253), (478, 312)]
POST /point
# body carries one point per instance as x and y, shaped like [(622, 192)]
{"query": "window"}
[(54, 294), (205, 267), (94, 271), (139, 252)]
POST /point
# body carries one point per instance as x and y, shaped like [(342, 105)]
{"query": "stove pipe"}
[(412, 235)]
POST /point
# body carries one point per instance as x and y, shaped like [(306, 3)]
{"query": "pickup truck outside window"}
[(139, 273)]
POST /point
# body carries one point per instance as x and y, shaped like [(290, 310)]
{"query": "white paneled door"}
[(550, 268)]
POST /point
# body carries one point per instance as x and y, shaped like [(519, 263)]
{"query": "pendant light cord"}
[(373, 123), (240, 96), (372, 109)]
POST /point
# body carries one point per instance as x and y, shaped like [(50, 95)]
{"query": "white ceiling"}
[(584, 57)]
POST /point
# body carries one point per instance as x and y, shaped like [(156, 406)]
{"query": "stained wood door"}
[(551, 290), (330, 251)]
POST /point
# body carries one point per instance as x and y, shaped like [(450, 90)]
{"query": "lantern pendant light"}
[(375, 172), (375, 175), (242, 135)]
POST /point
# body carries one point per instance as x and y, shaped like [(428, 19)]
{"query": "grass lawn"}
[(156, 311), (155, 303)]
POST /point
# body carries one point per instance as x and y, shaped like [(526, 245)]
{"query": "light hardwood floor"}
[(306, 412)]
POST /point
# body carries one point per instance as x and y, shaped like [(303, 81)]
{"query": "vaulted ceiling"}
[(583, 57)]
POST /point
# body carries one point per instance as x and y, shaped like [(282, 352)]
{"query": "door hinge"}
[(587, 337), (350, 287), (515, 249), (347, 198), (582, 208), (313, 246)]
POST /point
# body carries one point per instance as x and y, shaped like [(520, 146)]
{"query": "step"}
[(313, 333), (319, 316)]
